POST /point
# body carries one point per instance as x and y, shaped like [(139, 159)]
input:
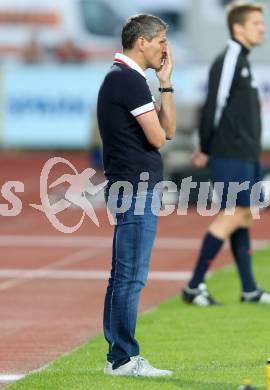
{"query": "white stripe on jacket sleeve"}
[(143, 109), (227, 74)]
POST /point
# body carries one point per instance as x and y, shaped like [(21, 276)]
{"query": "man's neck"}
[(243, 42), (135, 57)]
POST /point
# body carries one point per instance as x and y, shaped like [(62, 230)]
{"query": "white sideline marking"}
[(78, 274), (102, 242), (62, 262), (11, 377)]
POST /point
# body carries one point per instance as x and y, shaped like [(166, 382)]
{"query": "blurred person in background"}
[(230, 141), (69, 52), (132, 131), (32, 52)]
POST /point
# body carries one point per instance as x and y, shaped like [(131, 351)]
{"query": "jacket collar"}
[(244, 49), (121, 58)]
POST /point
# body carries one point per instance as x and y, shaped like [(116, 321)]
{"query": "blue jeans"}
[(132, 245)]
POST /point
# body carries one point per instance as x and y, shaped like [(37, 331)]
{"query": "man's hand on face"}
[(165, 71)]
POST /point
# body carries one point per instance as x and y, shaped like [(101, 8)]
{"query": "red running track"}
[(52, 284)]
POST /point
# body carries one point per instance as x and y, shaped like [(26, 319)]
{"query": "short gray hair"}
[(142, 25)]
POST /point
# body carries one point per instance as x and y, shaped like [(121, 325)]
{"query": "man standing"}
[(132, 131), (230, 140)]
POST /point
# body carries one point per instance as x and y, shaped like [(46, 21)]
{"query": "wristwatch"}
[(170, 89)]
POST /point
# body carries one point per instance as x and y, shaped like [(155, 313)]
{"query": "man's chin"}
[(155, 67), (158, 68), (257, 43)]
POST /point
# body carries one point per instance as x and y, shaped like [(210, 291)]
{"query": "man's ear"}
[(237, 29), (141, 41)]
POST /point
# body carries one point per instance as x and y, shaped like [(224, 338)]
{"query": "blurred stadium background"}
[(53, 57), (54, 54)]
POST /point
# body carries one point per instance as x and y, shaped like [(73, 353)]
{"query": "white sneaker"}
[(137, 366), (198, 296), (258, 296), (108, 368), (265, 297)]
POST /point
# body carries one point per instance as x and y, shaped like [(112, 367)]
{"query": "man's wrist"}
[(170, 89), (165, 84)]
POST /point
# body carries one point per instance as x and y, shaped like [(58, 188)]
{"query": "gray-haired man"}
[(132, 131)]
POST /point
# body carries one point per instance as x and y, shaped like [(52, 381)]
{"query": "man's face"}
[(154, 50), (253, 29)]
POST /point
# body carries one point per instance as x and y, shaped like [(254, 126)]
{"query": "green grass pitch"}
[(212, 348)]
